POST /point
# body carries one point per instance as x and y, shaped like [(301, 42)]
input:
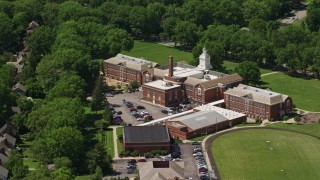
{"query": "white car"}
[(198, 154)]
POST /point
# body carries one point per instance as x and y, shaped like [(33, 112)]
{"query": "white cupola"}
[(204, 60)]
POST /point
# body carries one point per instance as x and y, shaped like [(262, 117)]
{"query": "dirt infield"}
[(209, 140)]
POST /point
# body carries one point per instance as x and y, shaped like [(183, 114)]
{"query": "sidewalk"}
[(115, 145)]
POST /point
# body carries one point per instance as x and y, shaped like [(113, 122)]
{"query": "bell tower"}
[(204, 60)]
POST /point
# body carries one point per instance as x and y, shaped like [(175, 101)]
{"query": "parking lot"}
[(190, 169), (135, 98)]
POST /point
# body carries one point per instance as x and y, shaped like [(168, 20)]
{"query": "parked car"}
[(132, 161), (140, 107), (133, 109), (195, 143), (109, 95), (147, 117), (164, 111), (111, 108), (198, 154)]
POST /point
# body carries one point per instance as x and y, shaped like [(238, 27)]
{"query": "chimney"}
[(170, 66)]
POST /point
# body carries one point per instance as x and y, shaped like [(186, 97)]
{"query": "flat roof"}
[(258, 91), (201, 119), (229, 114), (160, 84)]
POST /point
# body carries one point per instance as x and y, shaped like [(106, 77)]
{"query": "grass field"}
[(157, 52), (313, 129), (119, 131), (160, 54), (248, 155), (305, 93), (107, 139)]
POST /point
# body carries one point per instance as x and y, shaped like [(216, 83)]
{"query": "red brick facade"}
[(257, 109), (183, 132), (165, 98), (122, 73), (146, 147)]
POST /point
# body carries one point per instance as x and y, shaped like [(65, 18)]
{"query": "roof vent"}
[(256, 90), (270, 93)]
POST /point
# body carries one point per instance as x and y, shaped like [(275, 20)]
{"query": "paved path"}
[(269, 73), (306, 111), (297, 15)]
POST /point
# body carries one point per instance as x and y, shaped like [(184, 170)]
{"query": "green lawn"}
[(313, 129), (119, 131), (157, 53), (248, 155), (305, 93), (31, 163), (107, 139), (84, 177), (231, 65)]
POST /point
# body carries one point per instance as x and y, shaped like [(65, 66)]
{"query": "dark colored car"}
[(132, 161), (140, 107), (119, 112), (164, 111), (132, 109), (195, 143)]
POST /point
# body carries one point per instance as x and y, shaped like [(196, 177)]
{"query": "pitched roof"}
[(11, 140), (160, 72), (3, 159), (15, 109), (192, 81), (131, 62), (3, 173), (145, 134), (19, 86), (257, 94), (222, 80), (5, 128), (201, 119), (149, 170)]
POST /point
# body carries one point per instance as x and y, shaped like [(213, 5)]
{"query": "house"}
[(258, 103), (3, 159), (8, 128), (161, 170), (3, 173), (32, 25), (16, 109), (146, 138), (182, 82), (20, 89), (7, 140), (206, 119)]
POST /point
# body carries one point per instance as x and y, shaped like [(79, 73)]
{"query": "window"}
[(199, 91), (288, 103), (148, 93), (176, 96), (159, 96)]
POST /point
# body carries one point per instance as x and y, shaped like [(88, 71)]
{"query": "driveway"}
[(297, 15), (135, 98), (190, 169)]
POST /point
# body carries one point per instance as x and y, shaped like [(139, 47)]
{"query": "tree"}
[(70, 86), (59, 142), (15, 166), (7, 38), (7, 75), (168, 25), (250, 72), (313, 16), (7, 100), (98, 173), (97, 94), (40, 41), (98, 157), (62, 174), (186, 34), (134, 84), (42, 173), (62, 162)]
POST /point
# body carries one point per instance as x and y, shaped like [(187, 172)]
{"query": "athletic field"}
[(267, 155)]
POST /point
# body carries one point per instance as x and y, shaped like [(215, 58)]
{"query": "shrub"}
[(147, 155), (118, 86), (121, 154), (297, 119), (127, 153), (134, 153), (285, 118)]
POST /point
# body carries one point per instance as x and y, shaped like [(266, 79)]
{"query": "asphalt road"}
[(190, 169), (135, 98)]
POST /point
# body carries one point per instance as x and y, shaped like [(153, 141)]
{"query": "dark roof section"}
[(145, 134)]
